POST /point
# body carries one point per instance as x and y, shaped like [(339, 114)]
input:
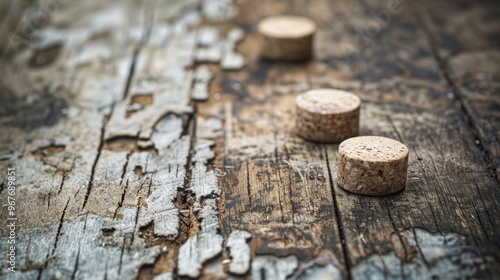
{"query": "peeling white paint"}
[(207, 243), (320, 272), (136, 188), (271, 267), (202, 78), (438, 255), (166, 132), (232, 61), (239, 252), (81, 243), (198, 249), (219, 10), (208, 35)]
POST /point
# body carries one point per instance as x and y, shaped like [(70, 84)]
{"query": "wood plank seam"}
[(338, 217)]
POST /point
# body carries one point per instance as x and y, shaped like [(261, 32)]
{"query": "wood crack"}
[(337, 217), (396, 231), (188, 224), (120, 203), (427, 175), (62, 184), (136, 219), (59, 228), (145, 37), (131, 73), (75, 268), (94, 165), (249, 190), (120, 263)]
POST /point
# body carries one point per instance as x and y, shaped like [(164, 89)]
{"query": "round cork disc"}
[(287, 38), (327, 115), (372, 165)]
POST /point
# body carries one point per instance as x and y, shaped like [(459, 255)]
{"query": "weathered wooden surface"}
[(150, 141), (467, 45)]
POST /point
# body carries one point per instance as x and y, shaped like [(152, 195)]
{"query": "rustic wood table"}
[(148, 140)]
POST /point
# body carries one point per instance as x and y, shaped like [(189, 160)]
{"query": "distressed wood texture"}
[(151, 141), (466, 43)]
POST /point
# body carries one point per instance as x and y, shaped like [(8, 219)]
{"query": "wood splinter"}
[(372, 165), (286, 38)]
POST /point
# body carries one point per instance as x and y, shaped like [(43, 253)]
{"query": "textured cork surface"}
[(372, 165), (287, 26), (327, 115), (288, 38)]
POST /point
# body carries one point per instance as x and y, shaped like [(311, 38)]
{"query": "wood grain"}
[(465, 44), (405, 98), (152, 142)]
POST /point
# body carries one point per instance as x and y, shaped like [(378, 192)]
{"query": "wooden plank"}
[(465, 42), (119, 173), (450, 195), (276, 186), (61, 96), (104, 120), (405, 98)]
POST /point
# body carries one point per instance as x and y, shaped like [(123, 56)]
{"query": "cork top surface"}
[(287, 26), (328, 101), (373, 149)]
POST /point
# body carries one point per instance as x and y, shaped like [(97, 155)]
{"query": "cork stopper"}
[(327, 115), (372, 165), (286, 38)]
